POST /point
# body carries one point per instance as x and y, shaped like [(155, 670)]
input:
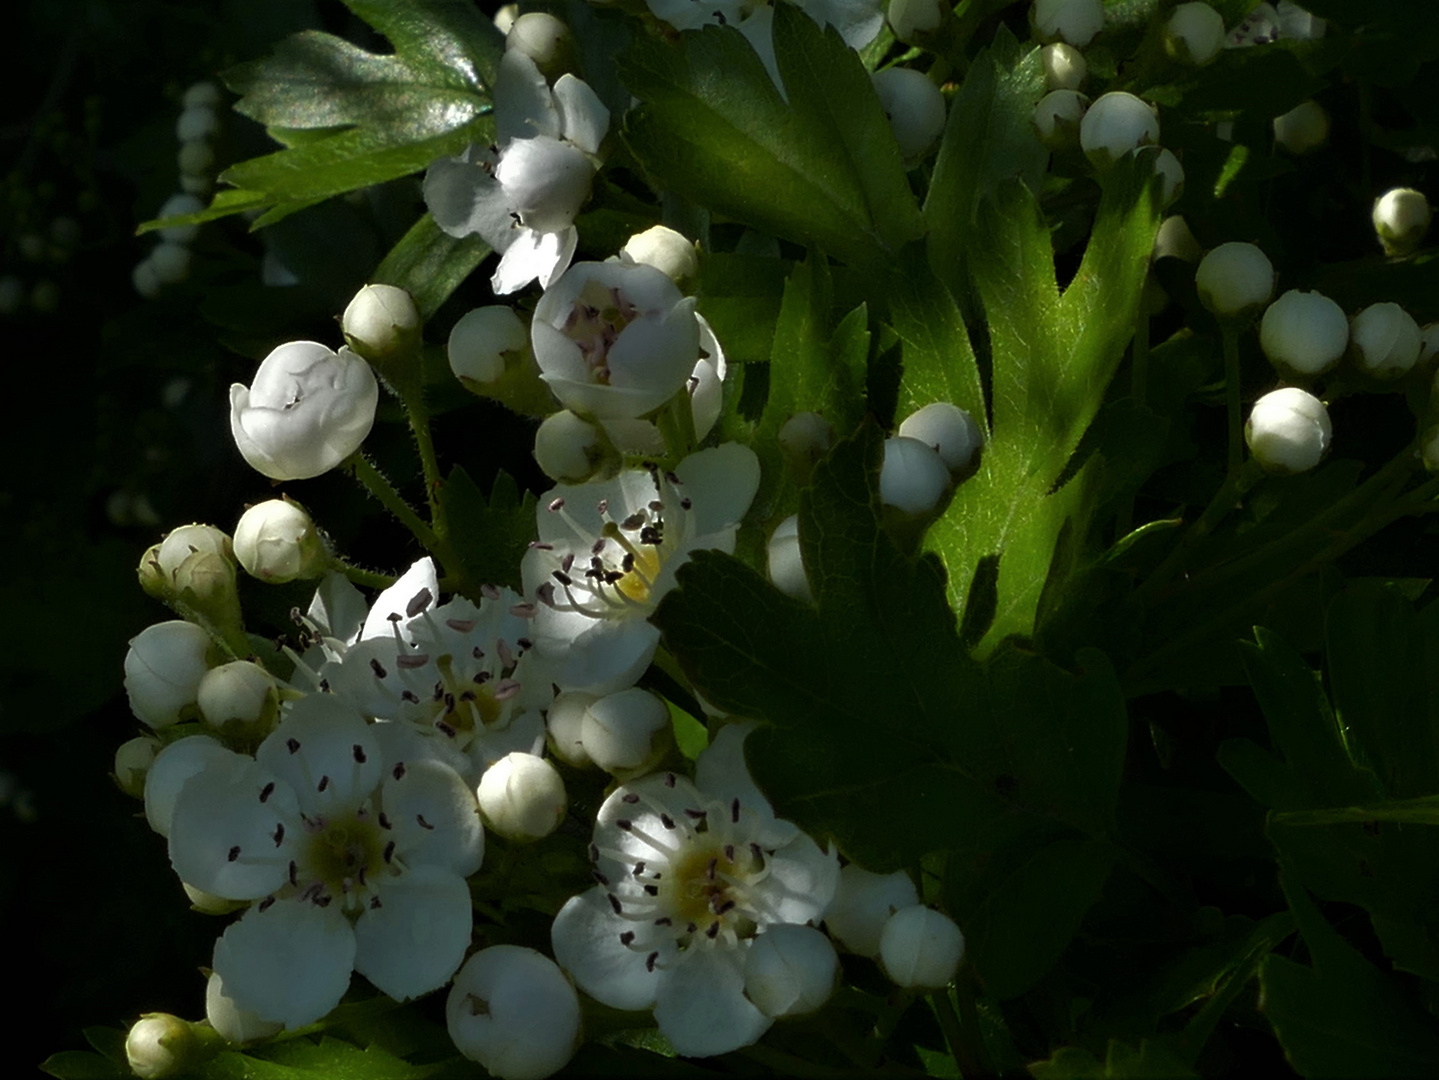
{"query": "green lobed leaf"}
[(304, 1059), (496, 532), (1151, 1061), (906, 746), (429, 264), (822, 168), (81, 1065), (740, 295), (1343, 1017), (939, 363), (453, 34)]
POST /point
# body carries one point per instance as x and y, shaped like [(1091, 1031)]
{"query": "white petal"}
[(234, 831), (338, 608), (405, 599), (523, 734), (434, 817), (174, 765), (801, 883), (465, 200), (414, 939), (326, 752), (858, 21), (597, 655), (583, 117), (524, 106), (721, 482), (721, 772), (586, 940), (532, 255), (701, 1007), (289, 963)]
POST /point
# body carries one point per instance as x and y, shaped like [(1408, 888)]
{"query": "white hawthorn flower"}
[(1288, 431), (522, 194), (689, 876), (615, 340), (307, 410), (356, 859), (608, 552)]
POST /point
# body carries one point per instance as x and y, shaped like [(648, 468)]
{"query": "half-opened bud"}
[(1194, 33), (522, 797), (1386, 340), (1304, 333), (626, 733), (383, 325), (276, 541), (1117, 124), (571, 449), (160, 1045), (240, 692), (921, 948), (1235, 280), (913, 477), (668, 251), (1288, 431), (1073, 21), (1303, 128), (1401, 218), (863, 904), (133, 759), (790, 970), (512, 1010), (950, 430), (1057, 118)]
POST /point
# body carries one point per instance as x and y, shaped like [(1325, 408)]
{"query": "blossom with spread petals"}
[(690, 875), (355, 858)]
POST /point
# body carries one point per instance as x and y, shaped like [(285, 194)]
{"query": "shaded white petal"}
[(586, 941), (413, 940), (289, 963), (721, 772), (858, 21), (173, 766), (402, 601), (721, 482), (524, 734), (583, 117), (597, 655), (338, 609), (524, 106), (514, 1012), (532, 255), (326, 752), (234, 831), (434, 818), (701, 1007), (801, 883)]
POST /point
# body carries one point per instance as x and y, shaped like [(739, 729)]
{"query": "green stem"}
[(1236, 485), (1229, 331), (378, 485), (1138, 391), (966, 1044), (419, 417), (371, 579)]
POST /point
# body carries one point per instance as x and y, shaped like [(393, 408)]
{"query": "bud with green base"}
[(383, 325), (277, 542), (1058, 117), (1064, 66), (1235, 281), (1117, 124), (668, 251), (489, 352), (163, 670), (193, 571), (1072, 21), (571, 450), (1401, 218), (790, 970), (160, 1046), (1303, 128), (1304, 334), (1385, 341), (522, 797), (133, 759), (239, 694), (545, 40), (1288, 431)]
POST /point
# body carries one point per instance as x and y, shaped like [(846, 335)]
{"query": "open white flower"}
[(522, 194), (357, 859), (688, 876), (307, 410), (608, 552)]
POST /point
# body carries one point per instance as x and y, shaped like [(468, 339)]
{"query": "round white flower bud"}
[(913, 476), (915, 109), (239, 692), (160, 1046), (1235, 280), (522, 797), (910, 19), (196, 122), (196, 183), (790, 970), (626, 732), (1304, 333), (171, 262), (920, 948), (145, 280), (382, 323), (195, 158), (175, 206), (541, 37), (198, 557), (568, 448), (863, 904), (947, 428), (805, 438), (1175, 241), (565, 724), (785, 562), (276, 541), (1194, 33), (481, 340), (200, 93), (1116, 124), (163, 670), (235, 1025), (1386, 340), (669, 252), (308, 409), (1074, 21), (1057, 118), (1303, 128), (512, 1010), (133, 759), (1064, 66), (1401, 218), (1288, 431)]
